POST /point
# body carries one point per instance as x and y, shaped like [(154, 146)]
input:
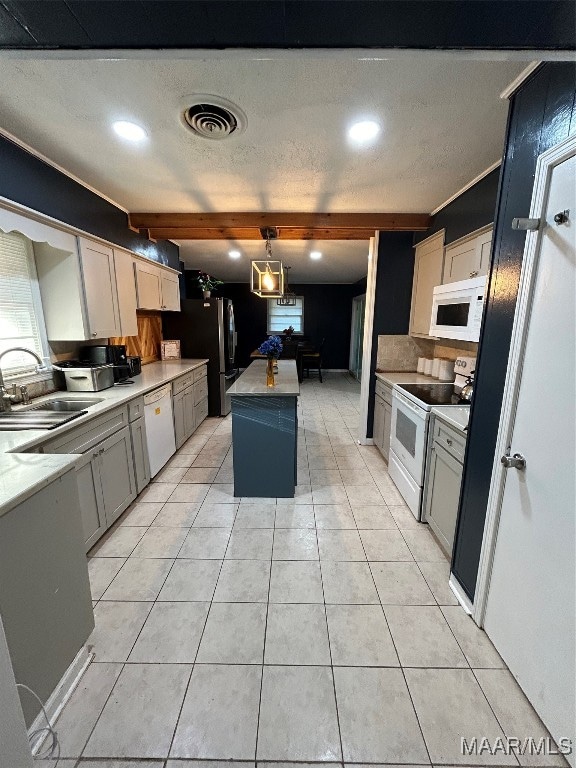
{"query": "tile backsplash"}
[(401, 353)]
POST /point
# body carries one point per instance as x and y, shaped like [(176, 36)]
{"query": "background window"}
[(21, 319), (280, 318)]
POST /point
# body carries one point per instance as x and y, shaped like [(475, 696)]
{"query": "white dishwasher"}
[(159, 427)]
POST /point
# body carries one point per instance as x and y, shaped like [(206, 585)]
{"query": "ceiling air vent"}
[(214, 118)]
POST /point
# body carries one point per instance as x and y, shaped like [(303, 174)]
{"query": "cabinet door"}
[(428, 267), (189, 417), (140, 454), (386, 430), (442, 495), (126, 291), (378, 425), (179, 419), (461, 262), (116, 474), (170, 291), (91, 502), (148, 287), (99, 278), (483, 252)]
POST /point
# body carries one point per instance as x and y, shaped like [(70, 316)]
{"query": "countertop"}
[(253, 380), (408, 377), (456, 416), (22, 474)]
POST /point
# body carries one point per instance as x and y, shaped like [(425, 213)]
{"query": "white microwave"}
[(457, 309)]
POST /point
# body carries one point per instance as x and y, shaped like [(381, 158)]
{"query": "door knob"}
[(513, 462)]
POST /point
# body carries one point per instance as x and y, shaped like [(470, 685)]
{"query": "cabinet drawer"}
[(85, 437), (182, 383), (384, 391), (135, 409), (199, 373), (200, 412), (200, 390), (450, 440)]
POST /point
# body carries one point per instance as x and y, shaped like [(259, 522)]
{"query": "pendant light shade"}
[(267, 276), (267, 279)]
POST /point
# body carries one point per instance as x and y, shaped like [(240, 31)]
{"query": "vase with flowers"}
[(207, 283), (272, 348)]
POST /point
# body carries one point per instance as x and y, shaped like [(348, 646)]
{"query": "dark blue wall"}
[(288, 24), (471, 210), (393, 296), (542, 113), (29, 181), (327, 314)]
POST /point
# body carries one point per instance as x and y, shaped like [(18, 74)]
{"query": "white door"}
[(170, 292), (530, 607), (100, 288)]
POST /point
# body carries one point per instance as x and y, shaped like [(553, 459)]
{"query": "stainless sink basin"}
[(61, 404), (35, 419)]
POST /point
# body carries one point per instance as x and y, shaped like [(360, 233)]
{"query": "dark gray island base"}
[(265, 431)]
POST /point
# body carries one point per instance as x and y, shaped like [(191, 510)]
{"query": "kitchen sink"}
[(61, 404), (35, 419)]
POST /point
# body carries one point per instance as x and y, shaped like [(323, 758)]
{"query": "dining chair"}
[(313, 360)]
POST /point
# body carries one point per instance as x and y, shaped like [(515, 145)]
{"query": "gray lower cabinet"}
[(184, 420), (382, 417), (117, 474), (91, 502), (140, 454), (378, 425), (442, 490)]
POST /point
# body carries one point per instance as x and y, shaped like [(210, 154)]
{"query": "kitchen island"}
[(264, 431)]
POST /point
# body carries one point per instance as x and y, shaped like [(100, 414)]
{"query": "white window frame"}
[(273, 302), (28, 372)]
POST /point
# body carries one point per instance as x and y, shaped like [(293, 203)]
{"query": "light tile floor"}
[(319, 629)]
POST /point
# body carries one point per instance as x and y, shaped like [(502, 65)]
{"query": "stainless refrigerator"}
[(206, 328)]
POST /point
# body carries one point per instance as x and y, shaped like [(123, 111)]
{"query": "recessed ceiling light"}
[(234, 254), (363, 131), (315, 255), (129, 131)]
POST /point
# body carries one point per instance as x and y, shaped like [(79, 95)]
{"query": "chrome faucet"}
[(6, 399)]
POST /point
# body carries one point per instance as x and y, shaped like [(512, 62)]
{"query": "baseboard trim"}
[(460, 595), (60, 696)]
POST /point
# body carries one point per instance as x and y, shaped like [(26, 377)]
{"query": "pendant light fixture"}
[(267, 276), (289, 298)]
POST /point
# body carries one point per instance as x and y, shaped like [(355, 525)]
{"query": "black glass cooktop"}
[(432, 394)]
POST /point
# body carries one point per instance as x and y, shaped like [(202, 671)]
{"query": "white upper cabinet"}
[(468, 257), (428, 268), (170, 292), (157, 287), (78, 290), (99, 278), (126, 289)]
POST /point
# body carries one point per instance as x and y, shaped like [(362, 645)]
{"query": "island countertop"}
[(253, 380)]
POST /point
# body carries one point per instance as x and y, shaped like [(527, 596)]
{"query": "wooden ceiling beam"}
[(405, 222), (234, 233)]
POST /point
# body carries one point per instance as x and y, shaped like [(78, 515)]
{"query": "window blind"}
[(19, 325), (280, 318)]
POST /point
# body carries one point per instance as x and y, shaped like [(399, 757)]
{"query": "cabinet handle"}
[(474, 273), (95, 455), (95, 334), (449, 441), (101, 451)]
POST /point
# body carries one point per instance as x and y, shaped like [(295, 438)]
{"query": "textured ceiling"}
[(442, 123)]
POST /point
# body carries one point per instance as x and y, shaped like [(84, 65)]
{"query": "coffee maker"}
[(109, 353)]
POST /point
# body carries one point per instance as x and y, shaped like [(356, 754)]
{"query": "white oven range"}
[(411, 404)]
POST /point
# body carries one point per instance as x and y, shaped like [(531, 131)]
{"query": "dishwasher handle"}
[(157, 394)]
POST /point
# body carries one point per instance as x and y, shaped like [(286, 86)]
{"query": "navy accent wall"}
[(542, 113), (29, 181), (327, 314), (393, 295), (471, 210), (288, 24)]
